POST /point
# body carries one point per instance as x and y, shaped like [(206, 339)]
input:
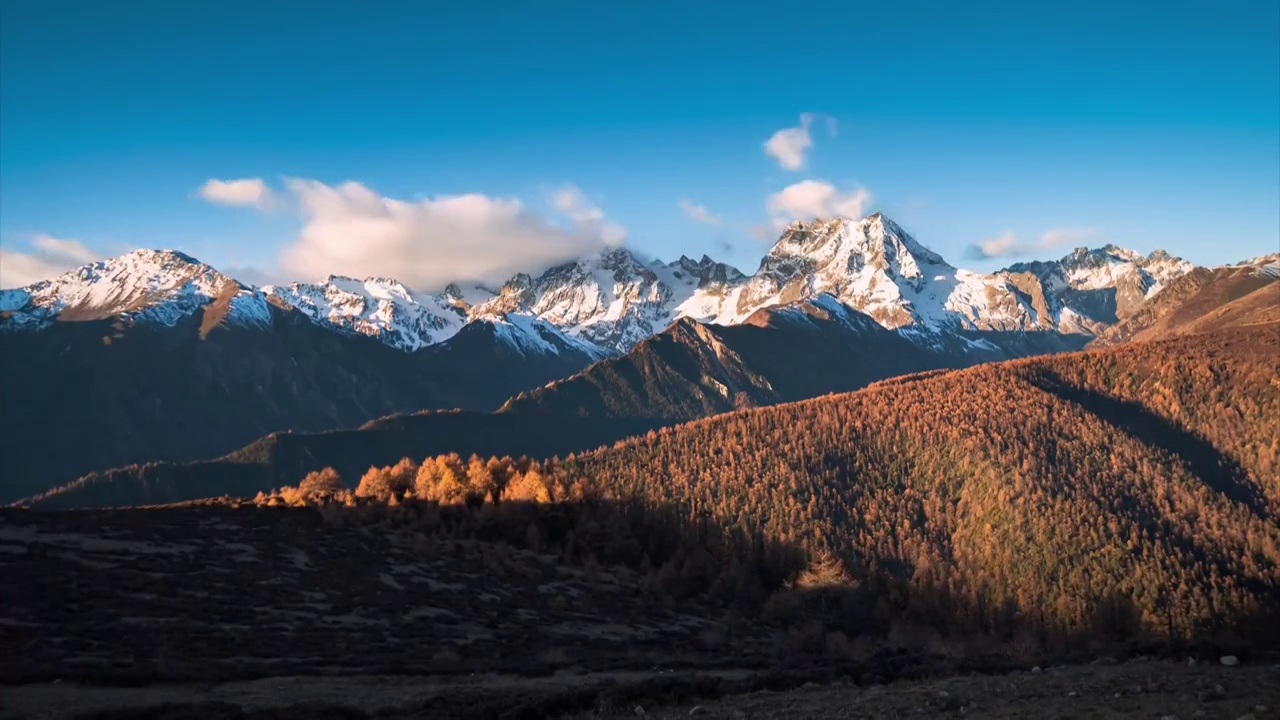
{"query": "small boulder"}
[(1036, 669), (1229, 660), (697, 710), (639, 711)]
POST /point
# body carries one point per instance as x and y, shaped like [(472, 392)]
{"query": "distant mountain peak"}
[(875, 241), (382, 308), (1109, 253), (144, 285)]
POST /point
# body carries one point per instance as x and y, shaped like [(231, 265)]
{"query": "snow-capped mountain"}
[(1089, 290), (614, 300), (1267, 265), (874, 266), (378, 307), (605, 304), (150, 286), (871, 265), (529, 336)]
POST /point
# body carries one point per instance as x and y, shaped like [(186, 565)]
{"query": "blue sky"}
[(1035, 124)]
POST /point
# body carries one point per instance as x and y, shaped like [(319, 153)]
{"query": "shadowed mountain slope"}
[(85, 396), (691, 370)]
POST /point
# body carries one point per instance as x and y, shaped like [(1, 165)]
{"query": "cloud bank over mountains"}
[(49, 256), (350, 228), (1008, 245)]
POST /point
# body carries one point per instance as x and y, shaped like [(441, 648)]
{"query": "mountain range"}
[(605, 304), (155, 356)]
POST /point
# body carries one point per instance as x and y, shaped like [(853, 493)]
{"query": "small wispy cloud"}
[(790, 146), (587, 216), (50, 257), (245, 192), (809, 199), (699, 213), (1007, 244)]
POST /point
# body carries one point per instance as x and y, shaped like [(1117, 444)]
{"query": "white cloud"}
[(50, 257), (589, 218), (246, 192), (810, 199), (1007, 244), (426, 243), (72, 251), (789, 146), (1003, 245), (698, 213), (1058, 237)]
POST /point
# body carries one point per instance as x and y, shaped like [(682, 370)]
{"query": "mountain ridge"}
[(614, 300)]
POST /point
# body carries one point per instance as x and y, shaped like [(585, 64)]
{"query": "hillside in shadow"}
[(284, 458), (90, 395)]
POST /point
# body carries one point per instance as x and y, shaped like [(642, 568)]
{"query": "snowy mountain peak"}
[(875, 242), (1096, 287), (872, 264), (378, 307), (1095, 257), (151, 286), (611, 299)]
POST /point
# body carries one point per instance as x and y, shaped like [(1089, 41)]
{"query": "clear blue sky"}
[(1156, 124)]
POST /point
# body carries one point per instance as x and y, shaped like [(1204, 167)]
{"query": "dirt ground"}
[(1152, 689), (1134, 689), (215, 594)]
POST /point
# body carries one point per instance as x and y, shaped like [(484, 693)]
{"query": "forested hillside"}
[(1117, 493), (1051, 487), (281, 458)]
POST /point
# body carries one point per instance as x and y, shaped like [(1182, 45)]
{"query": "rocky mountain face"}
[(378, 307), (1090, 290), (615, 300)]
